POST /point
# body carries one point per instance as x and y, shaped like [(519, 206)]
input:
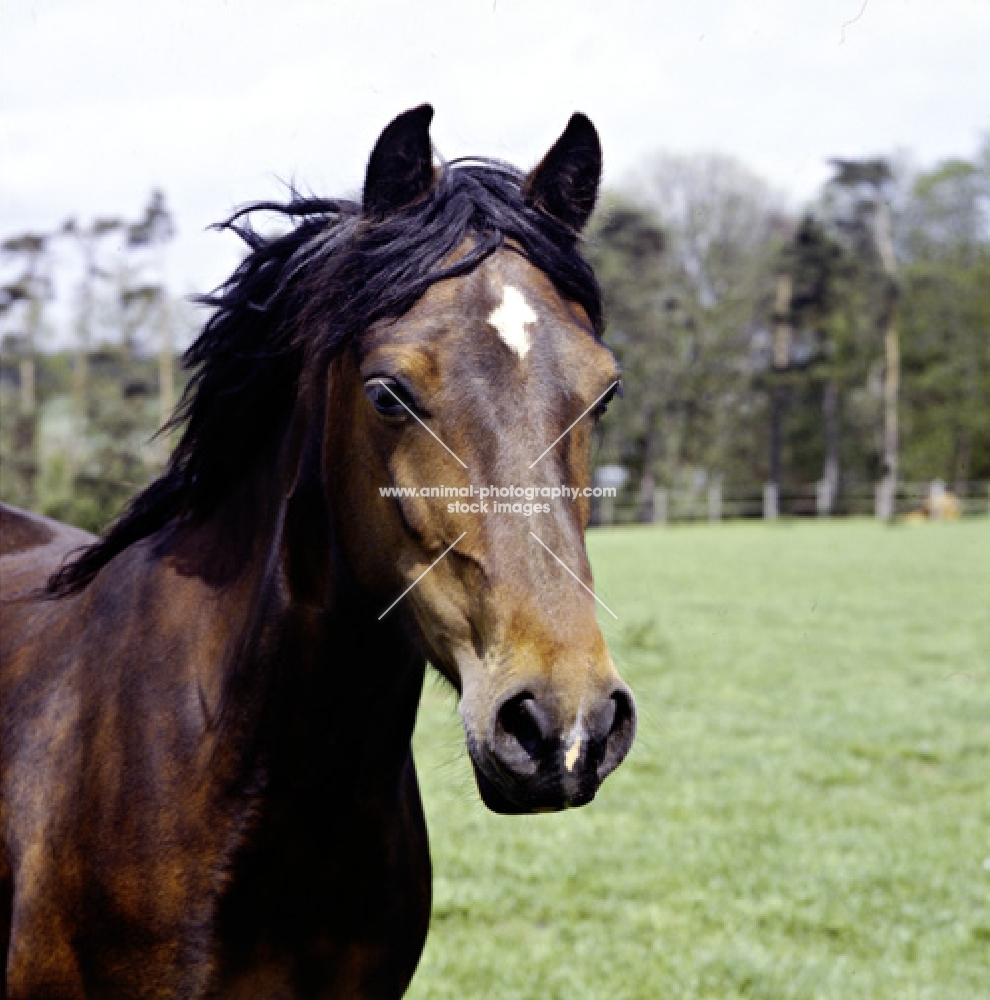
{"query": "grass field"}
[(806, 812)]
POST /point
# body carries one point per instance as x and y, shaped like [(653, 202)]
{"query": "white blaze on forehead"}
[(511, 318)]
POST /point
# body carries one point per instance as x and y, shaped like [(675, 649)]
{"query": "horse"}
[(207, 786)]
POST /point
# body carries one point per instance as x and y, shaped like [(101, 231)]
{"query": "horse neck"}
[(349, 696), (312, 684)]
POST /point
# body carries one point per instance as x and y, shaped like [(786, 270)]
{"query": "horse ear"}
[(565, 184), (400, 169)]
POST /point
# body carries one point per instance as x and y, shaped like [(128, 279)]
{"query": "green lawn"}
[(806, 812)]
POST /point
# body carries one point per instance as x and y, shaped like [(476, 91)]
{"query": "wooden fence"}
[(718, 503)]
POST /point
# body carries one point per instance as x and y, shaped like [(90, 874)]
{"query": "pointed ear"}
[(565, 184), (400, 169)]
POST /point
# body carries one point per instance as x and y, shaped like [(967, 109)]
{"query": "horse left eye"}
[(602, 406), (389, 397)]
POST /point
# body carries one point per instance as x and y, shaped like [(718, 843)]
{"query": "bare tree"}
[(154, 231), (32, 287), (870, 180), (87, 240), (723, 226)]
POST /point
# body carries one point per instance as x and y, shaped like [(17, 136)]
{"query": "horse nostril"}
[(522, 718), (625, 712), (620, 733)]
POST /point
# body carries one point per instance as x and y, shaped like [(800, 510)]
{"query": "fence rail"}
[(716, 503)]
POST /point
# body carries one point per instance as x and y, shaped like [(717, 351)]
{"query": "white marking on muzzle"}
[(511, 318), (574, 740)]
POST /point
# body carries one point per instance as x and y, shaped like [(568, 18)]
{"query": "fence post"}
[(770, 497), (823, 498), (884, 505), (660, 505), (715, 502)]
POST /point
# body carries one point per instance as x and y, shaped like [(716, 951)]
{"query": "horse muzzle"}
[(534, 760)]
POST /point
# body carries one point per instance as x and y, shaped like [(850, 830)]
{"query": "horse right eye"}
[(389, 397)]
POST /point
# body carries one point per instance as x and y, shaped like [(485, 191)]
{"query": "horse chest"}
[(332, 902)]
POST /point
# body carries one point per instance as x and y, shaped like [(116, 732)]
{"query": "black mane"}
[(298, 299)]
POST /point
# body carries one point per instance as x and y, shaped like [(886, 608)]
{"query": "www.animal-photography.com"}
[(494, 500)]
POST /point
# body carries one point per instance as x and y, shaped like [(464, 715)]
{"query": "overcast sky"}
[(216, 101)]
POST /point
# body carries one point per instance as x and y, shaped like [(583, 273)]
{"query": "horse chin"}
[(547, 797)]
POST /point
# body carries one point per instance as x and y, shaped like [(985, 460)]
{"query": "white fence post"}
[(823, 498), (883, 507), (771, 511), (715, 502)]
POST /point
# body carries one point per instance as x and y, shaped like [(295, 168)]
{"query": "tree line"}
[(88, 373), (845, 345), (842, 345)]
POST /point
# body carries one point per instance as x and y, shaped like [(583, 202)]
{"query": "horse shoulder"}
[(104, 700)]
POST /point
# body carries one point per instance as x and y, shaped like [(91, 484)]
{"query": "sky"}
[(219, 102)]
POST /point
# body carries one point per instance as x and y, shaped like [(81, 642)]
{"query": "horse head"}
[(459, 422)]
